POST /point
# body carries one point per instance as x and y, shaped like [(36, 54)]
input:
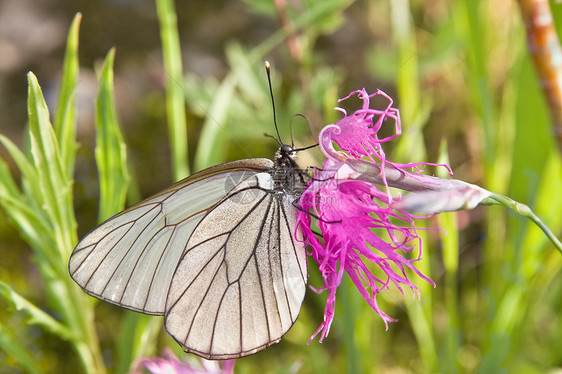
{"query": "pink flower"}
[(357, 221), (169, 364)]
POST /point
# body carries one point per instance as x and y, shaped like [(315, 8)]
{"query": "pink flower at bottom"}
[(169, 364)]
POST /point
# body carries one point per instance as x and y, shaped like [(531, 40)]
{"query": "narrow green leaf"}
[(34, 315), (65, 114), (448, 222), (55, 187), (175, 103), (27, 170), (17, 207), (8, 186), (321, 15), (27, 209), (421, 313), (11, 345), (212, 129), (32, 227), (138, 337), (111, 153), (255, 89)]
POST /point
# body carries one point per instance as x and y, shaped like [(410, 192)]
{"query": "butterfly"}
[(215, 253)]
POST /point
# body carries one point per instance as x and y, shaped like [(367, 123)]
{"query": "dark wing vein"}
[(123, 259), (94, 245), (205, 241), (291, 231), (251, 238), (253, 255), (132, 245), (274, 244)]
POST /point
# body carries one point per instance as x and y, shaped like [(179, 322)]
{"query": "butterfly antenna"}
[(268, 70), (292, 134), (292, 120), (274, 138), (305, 148)]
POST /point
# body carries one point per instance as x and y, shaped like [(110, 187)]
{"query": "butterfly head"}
[(285, 157), (286, 151)]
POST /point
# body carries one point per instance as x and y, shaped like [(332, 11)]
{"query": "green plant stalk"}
[(412, 147), (137, 338), (43, 214), (525, 211), (56, 202), (449, 223), (111, 158), (175, 102), (474, 33), (350, 309), (420, 314), (407, 84)]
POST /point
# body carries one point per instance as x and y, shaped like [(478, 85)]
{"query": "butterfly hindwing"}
[(241, 281)]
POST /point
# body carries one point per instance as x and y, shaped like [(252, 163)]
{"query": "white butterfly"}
[(215, 254)]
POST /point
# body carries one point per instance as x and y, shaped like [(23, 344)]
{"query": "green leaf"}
[(175, 104), (27, 170), (7, 185), (65, 115), (111, 153), (34, 315), (16, 205), (213, 127), (11, 345), (55, 190), (138, 337), (32, 227)]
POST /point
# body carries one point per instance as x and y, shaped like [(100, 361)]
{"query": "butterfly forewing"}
[(129, 259), (241, 281)]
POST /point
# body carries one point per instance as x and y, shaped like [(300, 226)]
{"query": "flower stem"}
[(524, 210)]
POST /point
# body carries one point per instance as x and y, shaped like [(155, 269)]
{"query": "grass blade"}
[(35, 316), (65, 114), (11, 345), (54, 185), (175, 103), (111, 156)]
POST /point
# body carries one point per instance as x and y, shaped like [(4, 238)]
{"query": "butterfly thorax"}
[(288, 178)]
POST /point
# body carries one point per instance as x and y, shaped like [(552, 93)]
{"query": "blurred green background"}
[(460, 74)]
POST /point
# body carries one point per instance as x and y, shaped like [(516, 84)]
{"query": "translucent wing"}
[(129, 259), (241, 282)]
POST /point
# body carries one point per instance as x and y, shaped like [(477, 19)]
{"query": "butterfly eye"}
[(287, 151)]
